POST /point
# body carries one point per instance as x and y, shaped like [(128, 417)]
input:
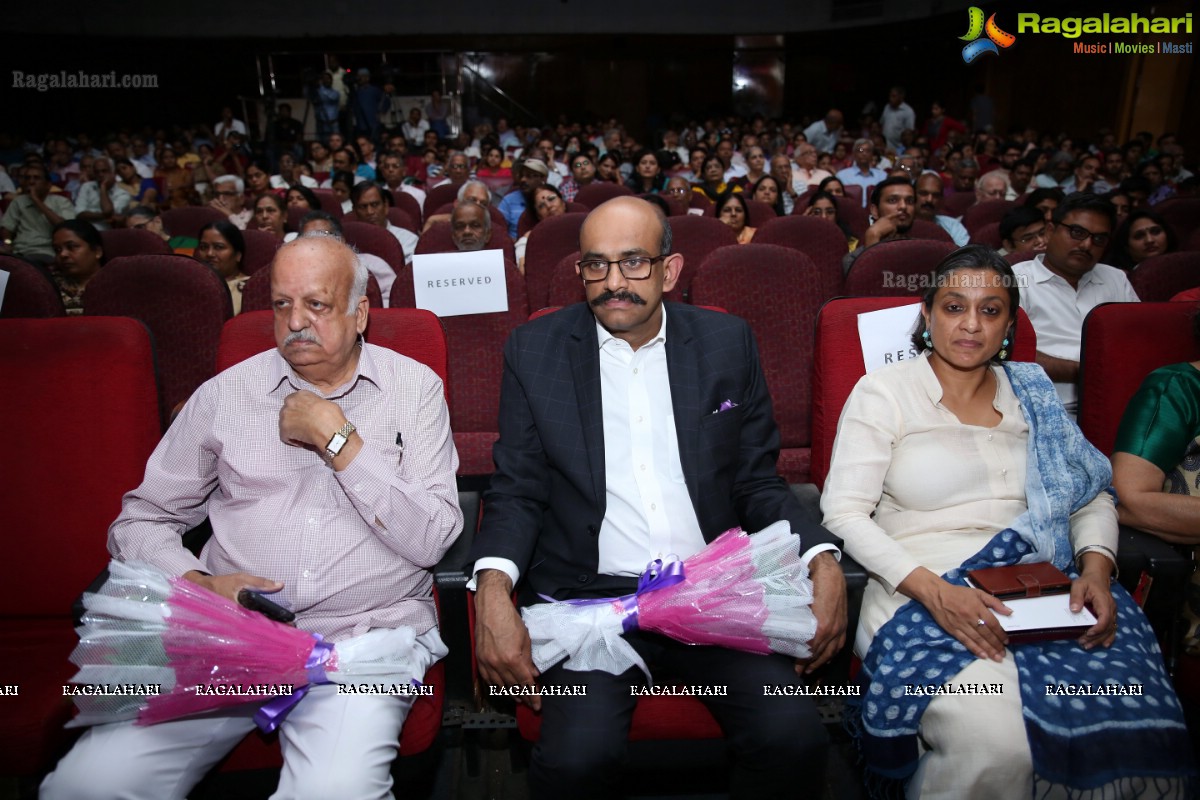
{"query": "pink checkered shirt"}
[(353, 548)]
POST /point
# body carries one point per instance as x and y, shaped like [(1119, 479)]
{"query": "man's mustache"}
[(304, 335), (624, 296)]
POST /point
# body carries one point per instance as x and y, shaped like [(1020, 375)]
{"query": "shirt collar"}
[(1042, 273), (280, 371), (604, 337)]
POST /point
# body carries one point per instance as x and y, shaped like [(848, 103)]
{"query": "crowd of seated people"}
[(1074, 208)]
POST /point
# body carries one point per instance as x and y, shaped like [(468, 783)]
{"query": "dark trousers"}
[(778, 745)]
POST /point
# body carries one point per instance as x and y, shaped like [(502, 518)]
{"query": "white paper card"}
[(3, 286), (452, 284), (886, 335), (1047, 611)]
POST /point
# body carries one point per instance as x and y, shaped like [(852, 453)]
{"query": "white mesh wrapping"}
[(382, 655), (589, 637)]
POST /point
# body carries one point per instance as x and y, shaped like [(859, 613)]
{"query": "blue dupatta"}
[(1094, 746)]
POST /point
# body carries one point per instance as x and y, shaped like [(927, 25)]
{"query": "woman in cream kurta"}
[(911, 486)]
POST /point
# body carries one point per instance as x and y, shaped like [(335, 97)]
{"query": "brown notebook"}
[(1021, 580)]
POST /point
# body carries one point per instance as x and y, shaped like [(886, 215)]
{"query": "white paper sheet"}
[(451, 284), (886, 335), (3, 286)]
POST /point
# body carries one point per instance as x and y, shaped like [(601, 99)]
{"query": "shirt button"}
[(312, 521), (639, 419), (583, 578), (358, 487), (1004, 472), (306, 573), (635, 369), (643, 467), (653, 507), (989, 437)]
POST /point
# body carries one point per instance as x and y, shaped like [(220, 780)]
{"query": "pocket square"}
[(725, 406)]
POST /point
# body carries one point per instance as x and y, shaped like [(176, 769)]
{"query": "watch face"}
[(336, 444)]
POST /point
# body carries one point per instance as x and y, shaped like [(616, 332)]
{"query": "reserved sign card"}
[(886, 335), (452, 284)]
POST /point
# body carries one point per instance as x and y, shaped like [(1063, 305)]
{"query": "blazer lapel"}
[(585, 364), (683, 370)]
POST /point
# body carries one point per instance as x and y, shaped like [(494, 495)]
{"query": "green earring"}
[(928, 342), (1004, 349)]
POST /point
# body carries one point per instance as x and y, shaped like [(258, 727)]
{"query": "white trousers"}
[(334, 746)]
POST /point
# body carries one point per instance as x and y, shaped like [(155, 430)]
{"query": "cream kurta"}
[(909, 485)]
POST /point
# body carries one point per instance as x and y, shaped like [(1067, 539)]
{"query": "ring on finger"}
[(981, 623)]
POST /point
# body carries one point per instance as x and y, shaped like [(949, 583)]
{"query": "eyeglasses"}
[(1040, 233), (635, 268), (681, 190), (1153, 230), (582, 163), (1080, 233), (549, 202)]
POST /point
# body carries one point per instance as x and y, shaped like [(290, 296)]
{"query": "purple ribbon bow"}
[(272, 713), (656, 576)]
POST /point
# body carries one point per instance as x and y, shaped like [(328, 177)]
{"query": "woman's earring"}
[(1004, 349), (928, 342)]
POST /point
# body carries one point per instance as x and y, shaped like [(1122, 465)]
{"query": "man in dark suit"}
[(631, 429)]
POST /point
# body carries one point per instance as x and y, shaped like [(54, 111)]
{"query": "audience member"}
[(863, 173), (991, 186), (822, 206), (222, 246), (1023, 230), (825, 133), (101, 201), (146, 218), (371, 204), (303, 431), (78, 254), (1142, 234), (546, 202), (530, 176), (1063, 284), (470, 226), (929, 202), (270, 215), (897, 117), (28, 222), (731, 209), (548, 531), (892, 209), (647, 174), (768, 191), (230, 199)]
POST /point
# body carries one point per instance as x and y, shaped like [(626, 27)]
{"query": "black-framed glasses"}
[(1080, 233), (634, 268)]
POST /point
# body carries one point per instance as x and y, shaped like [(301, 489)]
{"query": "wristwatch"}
[(338, 440)]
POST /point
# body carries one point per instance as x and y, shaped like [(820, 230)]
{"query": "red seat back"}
[(548, 243), (329, 202), (1161, 277), (437, 239), (778, 291), (695, 237), (760, 213), (30, 291), (819, 239), (260, 250), (188, 220), (367, 238), (183, 302), (87, 387), (120, 242), (437, 197), (986, 213), (412, 332), (1122, 344), (957, 203), (566, 287), (896, 268), (989, 235), (838, 364), (1182, 214), (413, 214), (923, 229), (598, 192)]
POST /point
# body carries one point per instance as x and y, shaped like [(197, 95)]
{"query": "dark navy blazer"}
[(547, 496)]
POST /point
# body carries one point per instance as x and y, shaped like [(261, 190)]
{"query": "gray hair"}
[(358, 287), (859, 142), (462, 190), (996, 173), (237, 182)]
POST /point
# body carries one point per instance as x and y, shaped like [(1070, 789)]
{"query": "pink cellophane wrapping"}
[(144, 628), (746, 592)]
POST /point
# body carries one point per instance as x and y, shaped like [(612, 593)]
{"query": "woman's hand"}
[(960, 610), (1093, 588)]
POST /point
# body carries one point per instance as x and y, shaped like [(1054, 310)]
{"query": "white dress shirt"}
[(1057, 309), (407, 240)]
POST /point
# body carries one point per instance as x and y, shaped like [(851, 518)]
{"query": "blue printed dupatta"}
[(1096, 746)]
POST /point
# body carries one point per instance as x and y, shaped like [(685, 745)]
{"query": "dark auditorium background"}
[(637, 61)]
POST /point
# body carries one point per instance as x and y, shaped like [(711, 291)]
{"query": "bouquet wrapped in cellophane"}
[(743, 591), (153, 648)]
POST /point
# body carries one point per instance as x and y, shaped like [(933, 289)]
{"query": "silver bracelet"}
[(1098, 548)]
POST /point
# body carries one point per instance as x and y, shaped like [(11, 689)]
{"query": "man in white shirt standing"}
[(606, 460), (897, 117), (1060, 287)]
